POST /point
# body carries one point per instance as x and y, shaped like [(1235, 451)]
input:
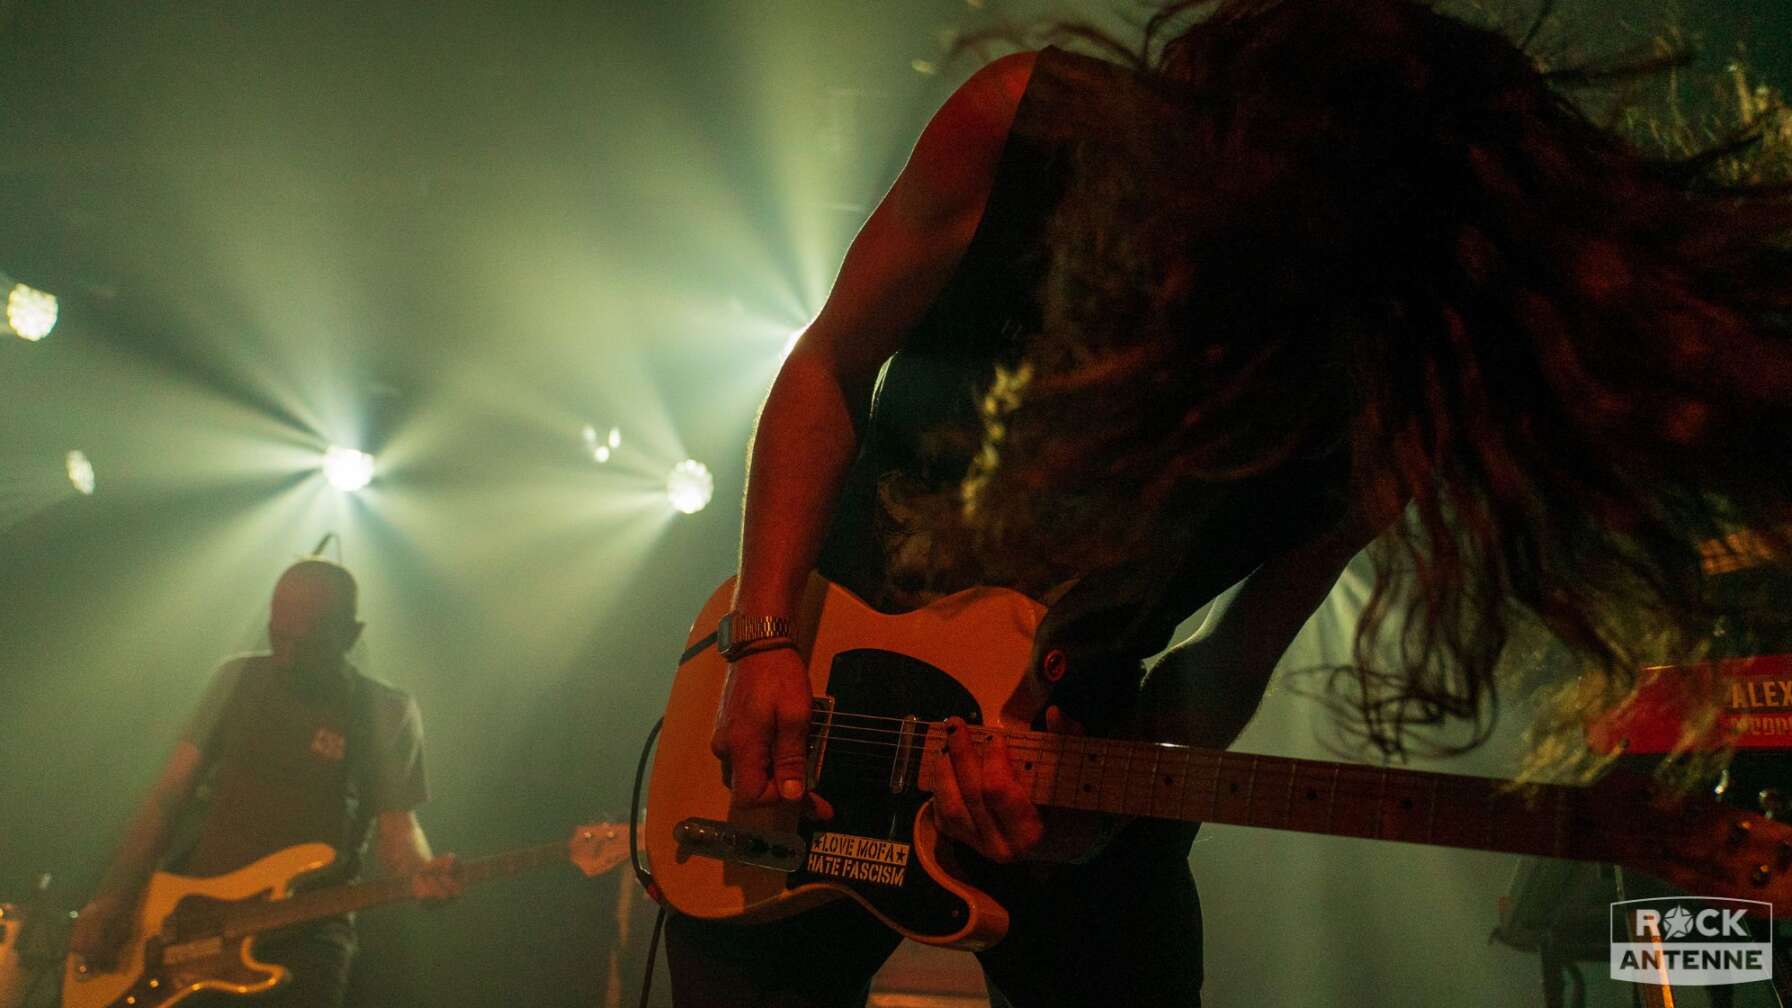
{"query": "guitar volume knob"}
[(1773, 804)]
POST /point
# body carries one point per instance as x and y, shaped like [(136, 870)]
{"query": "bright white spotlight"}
[(347, 470), (30, 313), (690, 486), (615, 438), (80, 472)]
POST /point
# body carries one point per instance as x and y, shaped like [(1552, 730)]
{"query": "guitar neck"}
[(259, 916), (1203, 785)]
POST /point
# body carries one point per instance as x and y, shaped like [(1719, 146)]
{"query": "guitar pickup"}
[(902, 767), (733, 844)]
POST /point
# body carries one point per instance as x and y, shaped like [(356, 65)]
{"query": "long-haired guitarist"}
[(292, 746), (1220, 316)]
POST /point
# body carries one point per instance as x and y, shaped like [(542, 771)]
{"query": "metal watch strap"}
[(736, 632)]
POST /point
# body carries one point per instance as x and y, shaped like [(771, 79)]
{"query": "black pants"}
[(1123, 929)]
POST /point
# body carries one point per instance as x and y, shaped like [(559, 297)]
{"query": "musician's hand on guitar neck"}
[(979, 802), (436, 881), (762, 728)]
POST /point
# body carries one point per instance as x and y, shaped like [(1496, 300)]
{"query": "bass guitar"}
[(198, 934), (884, 685)]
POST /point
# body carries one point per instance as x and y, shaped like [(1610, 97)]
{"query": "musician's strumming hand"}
[(437, 881), (979, 802), (101, 929), (762, 727)]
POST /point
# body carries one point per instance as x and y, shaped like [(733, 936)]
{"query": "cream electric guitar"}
[(198, 934), (884, 685)]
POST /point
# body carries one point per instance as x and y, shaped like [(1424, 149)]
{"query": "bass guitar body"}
[(176, 948), (15, 979), (880, 680)]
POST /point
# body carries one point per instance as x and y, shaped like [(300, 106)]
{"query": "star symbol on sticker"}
[(1678, 921)]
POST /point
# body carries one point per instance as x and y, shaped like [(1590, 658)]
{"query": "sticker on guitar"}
[(858, 859)]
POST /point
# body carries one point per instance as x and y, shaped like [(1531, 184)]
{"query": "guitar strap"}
[(1108, 623), (358, 782)]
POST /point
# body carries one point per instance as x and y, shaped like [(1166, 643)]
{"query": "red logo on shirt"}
[(328, 744)]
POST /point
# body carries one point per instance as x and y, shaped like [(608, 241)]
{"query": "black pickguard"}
[(855, 780)]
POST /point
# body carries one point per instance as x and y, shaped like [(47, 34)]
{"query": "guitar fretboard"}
[(256, 917), (1203, 785)]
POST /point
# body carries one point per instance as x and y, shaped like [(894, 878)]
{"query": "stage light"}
[(80, 472), (690, 486), (601, 449), (347, 470), (30, 313)]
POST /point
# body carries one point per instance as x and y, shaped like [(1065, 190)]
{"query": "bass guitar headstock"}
[(598, 847), (1696, 844)]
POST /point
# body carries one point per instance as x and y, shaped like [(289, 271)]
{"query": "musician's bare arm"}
[(103, 924), (805, 438), (402, 849)]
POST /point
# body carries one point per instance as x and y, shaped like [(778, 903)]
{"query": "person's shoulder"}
[(985, 103), (392, 702), (246, 663), (1007, 75), (1077, 95)]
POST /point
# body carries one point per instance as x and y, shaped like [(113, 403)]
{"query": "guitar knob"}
[(1760, 875), (1739, 832), (1773, 804)]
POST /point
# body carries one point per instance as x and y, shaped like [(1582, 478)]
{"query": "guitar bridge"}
[(733, 844)]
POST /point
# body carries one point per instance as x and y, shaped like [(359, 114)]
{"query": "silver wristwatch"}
[(737, 632)]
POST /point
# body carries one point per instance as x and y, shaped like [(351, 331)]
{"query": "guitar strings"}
[(1198, 789), (1203, 771)]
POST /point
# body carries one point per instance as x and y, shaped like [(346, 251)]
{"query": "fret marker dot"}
[(1312, 795), (1169, 780), (1233, 787), (1406, 803), (1028, 765), (1088, 787)]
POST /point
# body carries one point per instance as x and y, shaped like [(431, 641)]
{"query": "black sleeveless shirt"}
[(923, 428)]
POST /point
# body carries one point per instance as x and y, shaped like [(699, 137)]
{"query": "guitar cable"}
[(642, 875)]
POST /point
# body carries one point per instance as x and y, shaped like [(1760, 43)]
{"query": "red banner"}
[(1757, 712)]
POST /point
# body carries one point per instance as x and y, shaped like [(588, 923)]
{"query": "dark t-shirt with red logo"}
[(292, 760)]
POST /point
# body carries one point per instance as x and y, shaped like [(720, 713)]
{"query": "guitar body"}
[(965, 655), (15, 979), (174, 950)]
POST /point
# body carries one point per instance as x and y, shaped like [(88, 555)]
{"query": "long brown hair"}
[(1557, 363)]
